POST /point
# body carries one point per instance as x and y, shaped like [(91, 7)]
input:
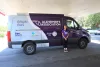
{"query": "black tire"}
[(82, 44), (29, 48)]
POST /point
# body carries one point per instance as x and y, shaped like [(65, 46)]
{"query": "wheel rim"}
[(82, 44), (30, 49)]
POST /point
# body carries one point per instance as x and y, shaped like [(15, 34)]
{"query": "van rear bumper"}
[(9, 45), (15, 43)]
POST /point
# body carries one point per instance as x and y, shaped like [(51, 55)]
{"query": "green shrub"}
[(3, 30), (2, 35)]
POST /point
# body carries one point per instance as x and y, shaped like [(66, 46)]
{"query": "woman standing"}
[(65, 34)]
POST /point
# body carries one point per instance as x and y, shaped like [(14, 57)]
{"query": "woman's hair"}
[(65, 25)]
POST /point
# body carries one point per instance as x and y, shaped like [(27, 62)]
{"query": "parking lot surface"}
[(52, 57)]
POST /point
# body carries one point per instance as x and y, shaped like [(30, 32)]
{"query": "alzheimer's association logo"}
[(33, 33), (54, 33)]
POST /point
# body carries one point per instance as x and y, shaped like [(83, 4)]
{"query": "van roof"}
[(43, 15), (46, 15), (68, 17)]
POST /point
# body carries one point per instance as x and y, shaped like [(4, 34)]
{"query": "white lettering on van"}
[(47, 23)]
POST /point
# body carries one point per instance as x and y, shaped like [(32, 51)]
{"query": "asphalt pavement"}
[(52, 57)]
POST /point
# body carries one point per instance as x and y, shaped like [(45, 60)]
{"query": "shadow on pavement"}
[(51, 57), (10, 51)]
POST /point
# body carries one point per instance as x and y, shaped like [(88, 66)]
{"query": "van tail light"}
[(8, 36)]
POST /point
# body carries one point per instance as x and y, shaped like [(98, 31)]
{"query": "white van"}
[(30, 29)]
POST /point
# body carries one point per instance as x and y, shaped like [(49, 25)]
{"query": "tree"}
[(92, 20), (81, 21)]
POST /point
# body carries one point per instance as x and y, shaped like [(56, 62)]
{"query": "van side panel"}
[(44, 30), (51, 26), (22, 29)]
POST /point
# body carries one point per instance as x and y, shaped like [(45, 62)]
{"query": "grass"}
[(2, 35)]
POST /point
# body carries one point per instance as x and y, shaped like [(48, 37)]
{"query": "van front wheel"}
[(29, 48), (82, 43)]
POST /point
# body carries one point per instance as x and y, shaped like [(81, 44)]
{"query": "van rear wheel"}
[(82, 43), (29, 48)]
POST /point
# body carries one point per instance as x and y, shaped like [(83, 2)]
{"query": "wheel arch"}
[(84, 37), (28, 41)]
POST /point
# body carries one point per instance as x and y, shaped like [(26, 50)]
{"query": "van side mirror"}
[(78, 28)]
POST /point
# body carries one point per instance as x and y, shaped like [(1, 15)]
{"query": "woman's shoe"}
[(65, 50)]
